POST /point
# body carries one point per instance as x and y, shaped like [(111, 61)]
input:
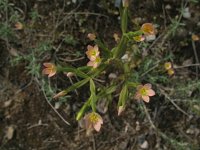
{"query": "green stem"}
[(121, 48)]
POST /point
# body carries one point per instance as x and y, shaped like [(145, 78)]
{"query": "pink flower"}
[(148, 29), (18, 26), (95, 63), (91, 36), (93, 121), (50, 69), (139, 38), (92, 52), (144, 92), (195, 37)]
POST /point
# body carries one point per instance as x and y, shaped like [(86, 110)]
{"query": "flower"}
[(169, 68), (144, 92), (170, 72), (50, 69), (93, 121), (148, 29), (18, 26), (95, 63), (92, 52), (168, 65), (195, 37), (139, 38), (91, 36)]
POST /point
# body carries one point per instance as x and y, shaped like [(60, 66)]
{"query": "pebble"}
[(144, 145), (186, 13), (112, 76)]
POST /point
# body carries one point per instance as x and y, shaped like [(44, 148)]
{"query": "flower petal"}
[(89, 47), (97, 126), (137, 96), (96, 48), (95, 65), (46, 71), (52, 73), (48, 65), (145, 98), (139, 87), (148, 86), (150, 92), (148, 28), (90, 63), (88, 123), (92, 58)]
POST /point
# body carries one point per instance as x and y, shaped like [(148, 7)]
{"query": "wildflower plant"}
[(101, 59)]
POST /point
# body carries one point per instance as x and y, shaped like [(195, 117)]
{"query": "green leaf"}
[(93, 95), (93, 100), (92, 87), (105, 51), (76, 71), (123, 96), (82, 110), (111, 89), (77, 85), (121, 47), (132, 84), (107, 91), (124, 19)]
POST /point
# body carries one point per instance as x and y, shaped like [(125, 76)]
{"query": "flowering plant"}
[(101, 59)]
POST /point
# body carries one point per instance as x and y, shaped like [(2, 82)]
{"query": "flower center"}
[(98, 60), (94, 118), (93, 53), (143, 91)]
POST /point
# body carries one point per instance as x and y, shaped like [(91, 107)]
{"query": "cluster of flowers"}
[(149, 33), (169, 68), (93, 120)]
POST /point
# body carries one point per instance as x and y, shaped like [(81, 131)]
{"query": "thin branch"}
[(59, 115), (72, 60), (196, 57), (152, 68), (190, 65), (175, 105)]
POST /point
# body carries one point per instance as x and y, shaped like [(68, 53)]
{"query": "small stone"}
[(144, 145), (186, 13), (10, 132), (57, 105), (125, 58), (112, 76), (74, 1), (137, 128), (168, 6), (193, 131), (40, 122), (123, 145), (150, 37), (7, 103)]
